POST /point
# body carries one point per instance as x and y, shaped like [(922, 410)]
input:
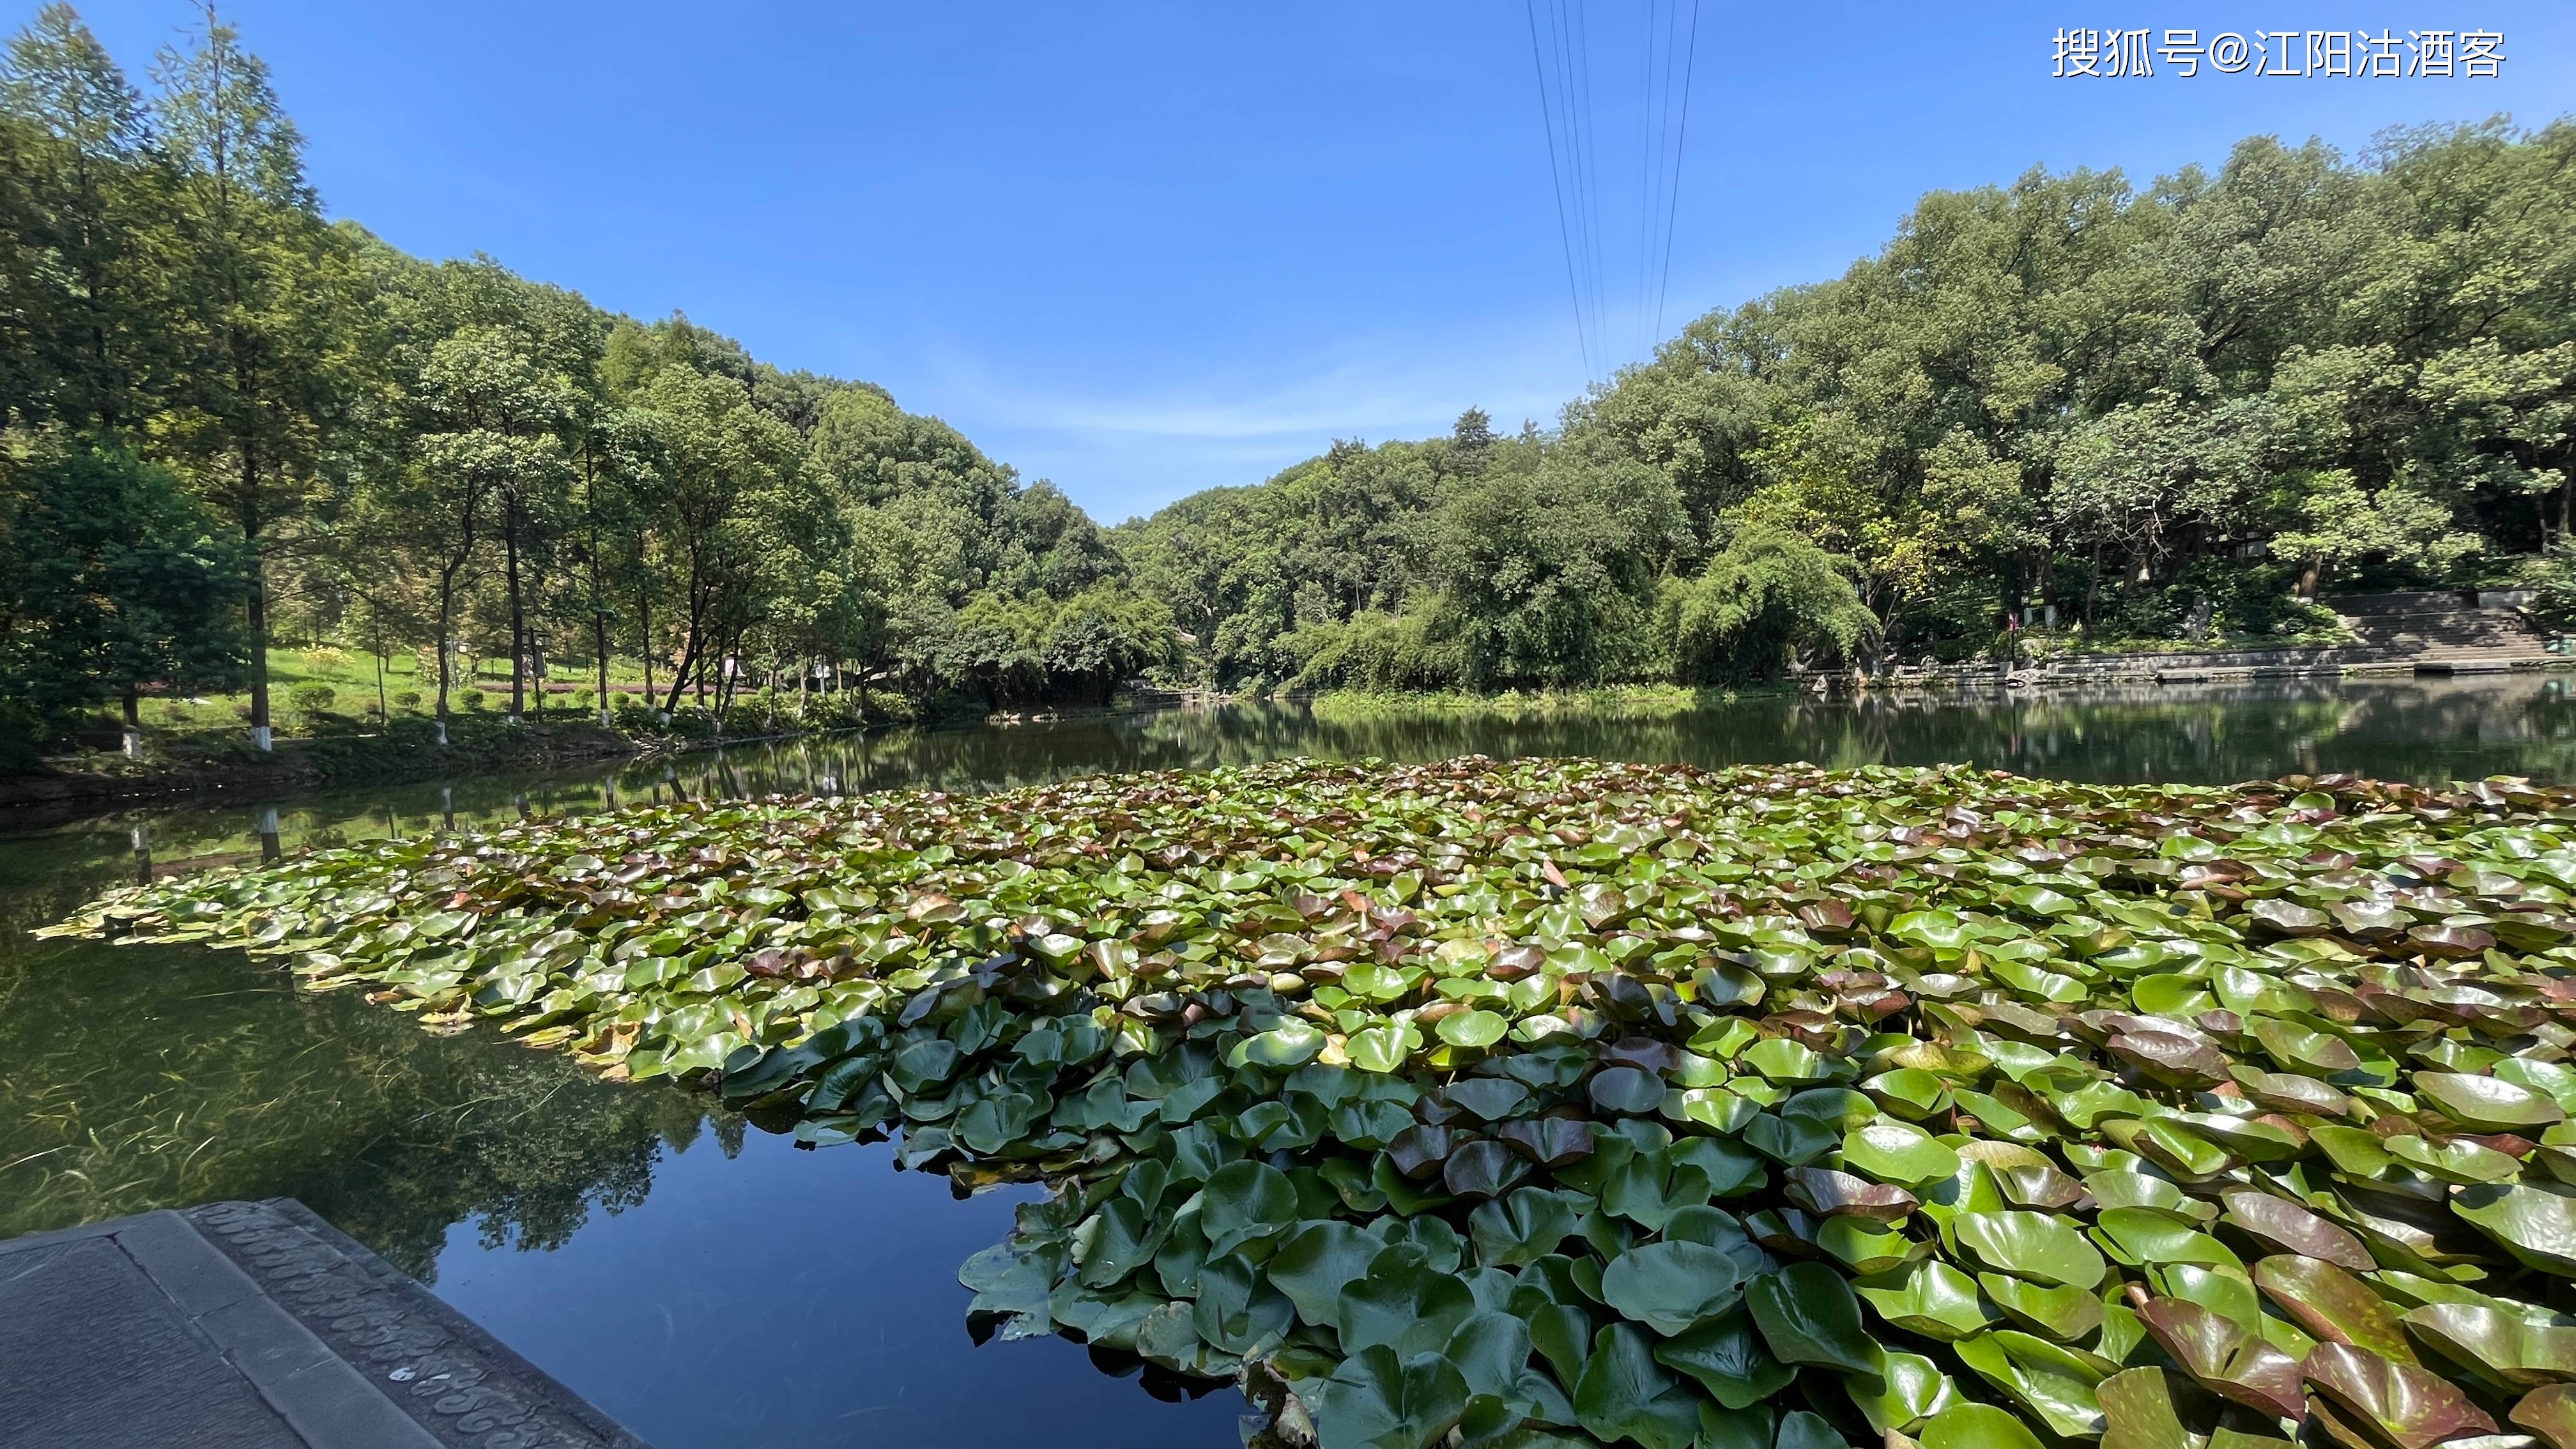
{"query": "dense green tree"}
[(99, 202), (264, 325), (2067, 402), (111, 578)]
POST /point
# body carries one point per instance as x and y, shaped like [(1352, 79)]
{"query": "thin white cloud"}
[(1143, 441)]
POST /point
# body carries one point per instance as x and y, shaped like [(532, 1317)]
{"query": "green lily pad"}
[(1473, 1028), (2047, 1250), (1931, 1298), (1673, 1286), (1898, 1152), (1726, 1356), (2536, 1225), (1808, 1315), (1376, 1400), (2488, 1104), (1623, 1393)]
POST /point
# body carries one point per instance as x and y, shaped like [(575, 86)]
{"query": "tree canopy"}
[(2069, 404), (2070, 408)]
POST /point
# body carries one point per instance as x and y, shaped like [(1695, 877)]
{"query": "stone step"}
[(255, 1325), (2409, 602)]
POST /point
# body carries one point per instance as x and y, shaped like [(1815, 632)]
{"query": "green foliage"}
[(1767, 598), (2551, 577), (2232, 389), (111, 579), (311, 701), (449, 460), (1578, 1100), (2321, 375)]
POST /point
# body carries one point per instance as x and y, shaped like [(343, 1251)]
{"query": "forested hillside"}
[(2070, 412), (230, 422), (2093, 411)]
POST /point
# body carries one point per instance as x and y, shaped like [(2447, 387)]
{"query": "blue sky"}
[(1146, 249)]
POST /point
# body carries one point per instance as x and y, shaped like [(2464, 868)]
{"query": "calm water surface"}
[(704, 1282)]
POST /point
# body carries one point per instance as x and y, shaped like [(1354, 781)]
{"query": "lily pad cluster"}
[(1571, 1102)]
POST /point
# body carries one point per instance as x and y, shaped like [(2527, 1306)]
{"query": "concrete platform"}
[(255, 1326)]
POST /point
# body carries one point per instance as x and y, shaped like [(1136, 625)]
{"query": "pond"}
[(705, 1282)]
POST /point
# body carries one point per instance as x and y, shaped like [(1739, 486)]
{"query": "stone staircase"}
[(2441, 632)]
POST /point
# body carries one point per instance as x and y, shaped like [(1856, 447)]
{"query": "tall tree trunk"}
[(644, 636), (689, 663), (446, 622), (257, 603), (518, 616), (447, 606), (599, 646)]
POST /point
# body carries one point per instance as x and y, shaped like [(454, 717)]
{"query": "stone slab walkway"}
[(255, 1326)]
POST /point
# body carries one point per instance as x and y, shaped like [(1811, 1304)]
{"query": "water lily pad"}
[(1245, 1202), (1727, 1357), (2054, 1385), (1909, 1389), (2536, 1225), (2065, 1314), (1898, 1152), (1971, 1425), (1521, 1228), (1403, 1303), (2047, 1250), (2332, 1304), (1626, 1090), (1930, 1298), (2488, 1340), (2488, 1104), (1316, 1261), (2225, 1356), (2408, 1406), (1808, 1315), (1377, 1400), (1623, 1393), (1673, 1286), (2279, 1223), (1474, 1028), (1287, 1046)]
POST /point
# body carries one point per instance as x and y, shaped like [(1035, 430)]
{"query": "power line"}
[(1649, 158), (1569, 99), (1556, 178), (1588, 166), (1681, 139), (1636, 281)]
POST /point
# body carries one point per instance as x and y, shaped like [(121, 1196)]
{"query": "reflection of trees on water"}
[(2428, 730), (164, 1076)]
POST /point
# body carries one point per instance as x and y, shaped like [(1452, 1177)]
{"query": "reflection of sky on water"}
[(795, 1298)]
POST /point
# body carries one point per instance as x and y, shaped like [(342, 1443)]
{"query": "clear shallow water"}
[(708, 1284)]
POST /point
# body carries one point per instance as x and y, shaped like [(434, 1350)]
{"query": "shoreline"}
[(299, 766), (292, 769)]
